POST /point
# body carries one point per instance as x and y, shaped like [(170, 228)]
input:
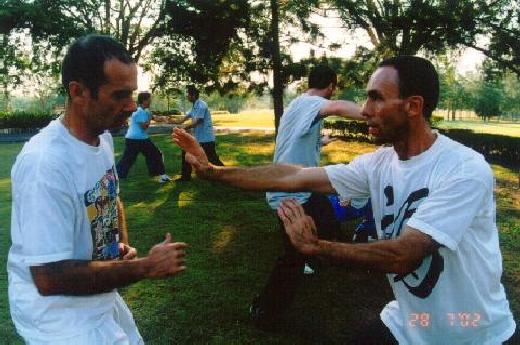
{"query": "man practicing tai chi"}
[(203, 130), (299, 142), (69, 249), (432, 200), (137, 141)]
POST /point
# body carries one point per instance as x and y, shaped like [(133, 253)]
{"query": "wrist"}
[(142, 267)]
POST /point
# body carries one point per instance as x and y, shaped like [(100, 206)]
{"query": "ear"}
[(77, 91), (414, 106)]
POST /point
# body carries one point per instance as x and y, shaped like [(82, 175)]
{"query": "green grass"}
[(233, 243), (509, 129)]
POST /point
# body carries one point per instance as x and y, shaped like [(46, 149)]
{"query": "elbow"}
[(42, 283), (405, 261)]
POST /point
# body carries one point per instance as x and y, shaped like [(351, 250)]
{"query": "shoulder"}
[(199, 103), (459, 161)]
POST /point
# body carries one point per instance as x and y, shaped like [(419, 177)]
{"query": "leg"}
[(376, 333), (186, 168), (129, 156), (278, 294), (211, 153), (154, 158)]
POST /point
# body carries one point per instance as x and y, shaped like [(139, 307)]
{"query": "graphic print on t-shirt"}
[(101, 206), (422, 281)]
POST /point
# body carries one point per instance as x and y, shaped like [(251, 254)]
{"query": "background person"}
[(66, 259), (137, 141), (202, 129), (299, 141), (432, 201)]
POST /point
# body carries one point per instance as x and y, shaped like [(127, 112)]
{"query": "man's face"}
[(385, 111), (191, 97), (114, 103), (330, 90)]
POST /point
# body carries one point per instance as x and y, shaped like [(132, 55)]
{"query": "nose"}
[(364, 110)]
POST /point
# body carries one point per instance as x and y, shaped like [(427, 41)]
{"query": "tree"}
[(488, 101), (502, 26)]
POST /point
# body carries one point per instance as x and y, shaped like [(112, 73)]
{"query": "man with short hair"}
[(137, 141), (69, 249), (433, 204), (202, 130), (299, 141)]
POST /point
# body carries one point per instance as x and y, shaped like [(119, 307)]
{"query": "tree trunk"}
[(277, 66)]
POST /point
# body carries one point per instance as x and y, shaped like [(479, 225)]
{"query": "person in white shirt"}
[(70, 249), (434, 209)]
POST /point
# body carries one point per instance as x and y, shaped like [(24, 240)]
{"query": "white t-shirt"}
[(455, 296), (298, 141), (64, 208)]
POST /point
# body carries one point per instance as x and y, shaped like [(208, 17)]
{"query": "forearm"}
[(121, 218), (384, 256), (351, 110), (269, 177), (76, 277)]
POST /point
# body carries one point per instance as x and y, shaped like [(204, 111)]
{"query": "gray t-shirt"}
[(298, 141), (203, 131)]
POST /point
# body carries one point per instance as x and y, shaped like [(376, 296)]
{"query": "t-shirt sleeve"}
[(311, 106), (449, 210), (350, 180), (198, 111), (46, 214), (141, 116)]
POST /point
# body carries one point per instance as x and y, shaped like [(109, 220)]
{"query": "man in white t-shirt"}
[(69, 249), (434, 209)]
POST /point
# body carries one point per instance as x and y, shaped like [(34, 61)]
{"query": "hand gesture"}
[(195, 155), (166, 258), (126, 252), (300, 227)]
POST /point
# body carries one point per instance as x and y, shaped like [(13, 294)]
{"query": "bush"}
[(500, 149), (22, 119)]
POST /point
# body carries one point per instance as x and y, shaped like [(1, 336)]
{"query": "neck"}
[(78, 129), (415, 142), (317, 92)]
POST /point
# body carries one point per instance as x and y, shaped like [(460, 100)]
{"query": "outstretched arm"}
[(79, 277), (283, 177), (346, 109), (400, 256)]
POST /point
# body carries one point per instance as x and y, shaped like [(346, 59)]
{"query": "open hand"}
[(195, 155), (300, 227), (166, 258)]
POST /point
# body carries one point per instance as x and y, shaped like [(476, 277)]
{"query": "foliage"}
[(500, 149), (21, 119), (502, 25), (488, 101)]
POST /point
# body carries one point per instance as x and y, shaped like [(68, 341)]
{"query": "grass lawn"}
[(233, 243), (508, 129)]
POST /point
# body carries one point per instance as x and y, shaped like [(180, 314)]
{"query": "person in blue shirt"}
[(202, 131), (137, 141)]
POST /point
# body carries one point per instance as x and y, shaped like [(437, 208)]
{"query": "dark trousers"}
[(376, 333), (153, 156), (211, 153), (277, 295)]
